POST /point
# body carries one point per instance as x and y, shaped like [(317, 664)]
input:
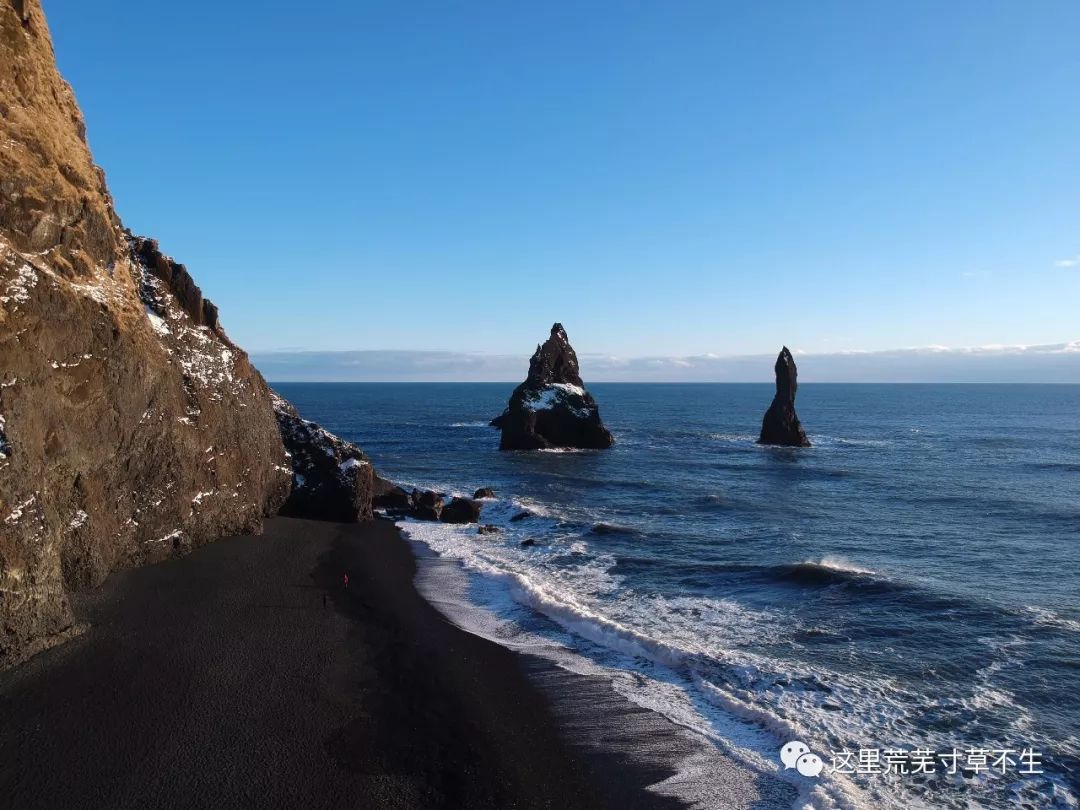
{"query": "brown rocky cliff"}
[(131, 428), (52, 196)]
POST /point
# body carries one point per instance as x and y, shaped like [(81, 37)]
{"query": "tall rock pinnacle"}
[(781, 424), (552, 409)]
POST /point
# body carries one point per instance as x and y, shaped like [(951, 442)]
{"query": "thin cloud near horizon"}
[(1057, 362)]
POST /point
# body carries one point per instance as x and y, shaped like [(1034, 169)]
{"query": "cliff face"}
[(332, 479), (552, 409), (131, 428)]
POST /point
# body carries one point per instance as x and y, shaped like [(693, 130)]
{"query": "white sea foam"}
[(696, 660), (1048, 618), (733, 438), (841, 564), (659, 675)]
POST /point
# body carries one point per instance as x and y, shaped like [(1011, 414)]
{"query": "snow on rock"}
[(17, 290), (29, 270), (16, 514), (207, 360), (172, 538), (554, 394), (156, 321)]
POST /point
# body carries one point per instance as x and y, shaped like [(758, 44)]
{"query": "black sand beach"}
[(221, 680)]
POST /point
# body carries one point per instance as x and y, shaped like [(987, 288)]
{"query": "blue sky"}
[(665, 178)]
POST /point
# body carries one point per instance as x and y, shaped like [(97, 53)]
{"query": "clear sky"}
[(665, 178)]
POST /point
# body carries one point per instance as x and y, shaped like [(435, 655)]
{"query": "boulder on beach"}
[(552, 409), (461, 510), (781, 424), (390, 497), (426, 505)]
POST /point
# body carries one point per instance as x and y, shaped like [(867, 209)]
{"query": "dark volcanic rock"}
[(487, 528), (552, 409), (131, 428), (521, 516), (528, 542), (332, 478), (426, 505), (393, 499), (461, 510), (781, 424), (484, 492)]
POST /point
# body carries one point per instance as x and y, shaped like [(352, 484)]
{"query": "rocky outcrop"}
[(781, 424), (392, 498), (426, 505), (461, 510), (332, 479), (165, 274), (131, 428), (484, 493), (552, 409)]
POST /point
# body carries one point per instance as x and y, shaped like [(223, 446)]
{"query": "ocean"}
[(911, 582)]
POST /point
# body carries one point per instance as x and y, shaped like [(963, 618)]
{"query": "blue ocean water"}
[(910, 581)]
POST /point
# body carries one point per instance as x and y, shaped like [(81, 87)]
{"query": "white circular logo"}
[(809, 764), (791, 752)]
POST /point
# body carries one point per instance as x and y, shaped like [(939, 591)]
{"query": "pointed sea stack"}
[(552, 409), (781, 423)]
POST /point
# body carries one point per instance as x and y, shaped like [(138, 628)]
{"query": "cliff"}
[(131, 427), (332, 478), (552, 409)]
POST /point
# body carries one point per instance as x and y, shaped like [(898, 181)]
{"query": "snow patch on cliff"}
[(554, 394), (156, 321), (17, 290), (206, 361), (305, 438)]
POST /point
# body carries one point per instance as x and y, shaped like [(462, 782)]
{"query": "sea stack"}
[(781, 424), (552, 409)]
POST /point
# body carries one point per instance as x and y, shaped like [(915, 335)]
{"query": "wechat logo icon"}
[(798, 755)]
